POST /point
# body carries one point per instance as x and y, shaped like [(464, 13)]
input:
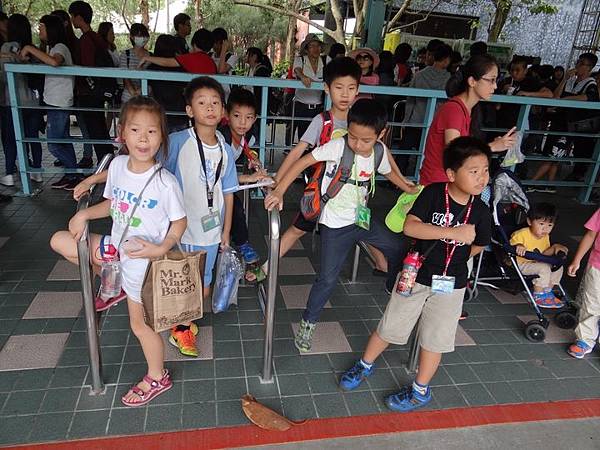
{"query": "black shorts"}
[(302, 224)]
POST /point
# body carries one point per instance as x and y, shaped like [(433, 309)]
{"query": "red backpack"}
[(312, 202)]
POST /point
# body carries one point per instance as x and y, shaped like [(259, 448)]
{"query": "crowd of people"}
[(194, 201)]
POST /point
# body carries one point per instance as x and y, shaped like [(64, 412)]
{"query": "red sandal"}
[(157, 387)]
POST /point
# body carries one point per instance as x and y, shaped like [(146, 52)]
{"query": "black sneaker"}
[(85, 163), (62, 183), (58, 163)]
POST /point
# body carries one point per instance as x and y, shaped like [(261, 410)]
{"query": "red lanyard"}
[(450, 248)]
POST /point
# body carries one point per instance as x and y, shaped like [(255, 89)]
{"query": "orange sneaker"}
[(185, 340)]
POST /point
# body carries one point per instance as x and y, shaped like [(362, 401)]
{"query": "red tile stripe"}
[(245, 435)]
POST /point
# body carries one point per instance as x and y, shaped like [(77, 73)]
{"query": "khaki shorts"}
[(439, 315)]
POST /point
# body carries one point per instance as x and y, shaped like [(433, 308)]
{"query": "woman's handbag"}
[(172, 290)]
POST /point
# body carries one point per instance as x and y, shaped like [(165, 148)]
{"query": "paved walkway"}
[(44, 379)]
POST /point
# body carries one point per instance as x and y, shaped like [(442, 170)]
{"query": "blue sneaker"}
[(407, 400), (354, 376), (248, 253)]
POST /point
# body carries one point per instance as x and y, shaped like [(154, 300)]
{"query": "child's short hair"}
[(241, 97), (343, 66), (461, 149), (145, 103), (369, 113), (203, 40), (202, 83), (519, 61), (542, 211)]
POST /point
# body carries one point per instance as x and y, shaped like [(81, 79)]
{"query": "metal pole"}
[(246, 201), (274, 229), (87, 290), (413, 349), (355, 264)]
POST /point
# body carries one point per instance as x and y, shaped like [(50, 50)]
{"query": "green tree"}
[(246, 26)]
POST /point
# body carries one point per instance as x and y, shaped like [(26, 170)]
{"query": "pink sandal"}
[(157, 387), (102, 305)]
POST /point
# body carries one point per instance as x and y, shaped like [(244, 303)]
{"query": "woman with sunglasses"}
[(368, 61)]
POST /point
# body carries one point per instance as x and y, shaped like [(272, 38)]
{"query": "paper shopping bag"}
[(172, 290)]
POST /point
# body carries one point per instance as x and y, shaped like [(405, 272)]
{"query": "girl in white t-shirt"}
[(58, 93), (155, 227)]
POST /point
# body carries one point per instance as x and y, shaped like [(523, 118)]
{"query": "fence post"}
[(429, 113), (18, 127)]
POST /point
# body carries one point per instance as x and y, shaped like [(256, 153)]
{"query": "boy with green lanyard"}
[(344, 217)]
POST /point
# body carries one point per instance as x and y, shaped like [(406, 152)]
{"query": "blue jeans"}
[(59, 128), (336, 243), (87, 148), (32, 122)]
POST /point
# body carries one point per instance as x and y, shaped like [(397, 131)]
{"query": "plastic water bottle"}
[(110, 275), (408, 276)]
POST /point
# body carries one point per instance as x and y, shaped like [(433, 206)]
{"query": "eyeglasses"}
[(363, 57), (490, 80)]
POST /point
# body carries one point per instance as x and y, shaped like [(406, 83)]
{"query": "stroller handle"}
[(556, 261)]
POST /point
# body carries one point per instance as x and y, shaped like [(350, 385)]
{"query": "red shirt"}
[(88, 43), (197, 62), (452, 114)]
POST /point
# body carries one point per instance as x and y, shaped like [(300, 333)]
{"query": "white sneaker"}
[(7, 180), (37, 177)]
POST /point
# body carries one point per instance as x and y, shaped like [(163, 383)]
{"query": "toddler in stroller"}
[(535, 238), (538, 272)]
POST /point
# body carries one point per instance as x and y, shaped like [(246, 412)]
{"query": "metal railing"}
[(430, 96), (87, 290), (268, 295)]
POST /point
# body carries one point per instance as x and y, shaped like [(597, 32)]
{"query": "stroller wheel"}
[(565, 320), (535, 331)]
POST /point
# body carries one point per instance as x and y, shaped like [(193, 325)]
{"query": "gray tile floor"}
[(45, 382)]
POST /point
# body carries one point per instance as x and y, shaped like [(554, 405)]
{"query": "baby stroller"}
[(509, 206)]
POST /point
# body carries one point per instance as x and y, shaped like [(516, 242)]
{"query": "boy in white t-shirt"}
[(204, 165), (344, 218)]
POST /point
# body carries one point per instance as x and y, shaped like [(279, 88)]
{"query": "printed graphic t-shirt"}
[(340, 211), (162, 202), (430, 207)]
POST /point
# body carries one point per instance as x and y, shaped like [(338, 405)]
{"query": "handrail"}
[(271, 293), (432, 98), (87, 290)]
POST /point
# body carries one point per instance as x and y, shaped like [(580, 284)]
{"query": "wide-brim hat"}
[(310, 37), (372, 53)]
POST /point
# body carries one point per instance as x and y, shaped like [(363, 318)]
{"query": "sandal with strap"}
[(157, 387)]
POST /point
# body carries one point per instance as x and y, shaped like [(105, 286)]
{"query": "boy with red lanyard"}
[(451, 217)]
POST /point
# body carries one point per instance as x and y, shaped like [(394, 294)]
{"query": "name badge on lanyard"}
[(444, 284), (211, 220)]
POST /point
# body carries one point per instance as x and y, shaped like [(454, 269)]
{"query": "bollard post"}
[(87, 290), (274, 235)]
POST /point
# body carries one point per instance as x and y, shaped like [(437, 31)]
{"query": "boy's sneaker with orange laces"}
[(579, 349), (184, 338)]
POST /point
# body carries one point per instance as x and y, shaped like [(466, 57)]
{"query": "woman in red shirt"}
[(453, 118)]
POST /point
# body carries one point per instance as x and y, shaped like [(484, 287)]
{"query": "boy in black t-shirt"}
[(453, 218)]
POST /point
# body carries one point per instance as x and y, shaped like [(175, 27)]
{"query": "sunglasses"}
[(363, 57)]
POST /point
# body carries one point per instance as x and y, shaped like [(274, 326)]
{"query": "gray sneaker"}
[(303, 337)]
